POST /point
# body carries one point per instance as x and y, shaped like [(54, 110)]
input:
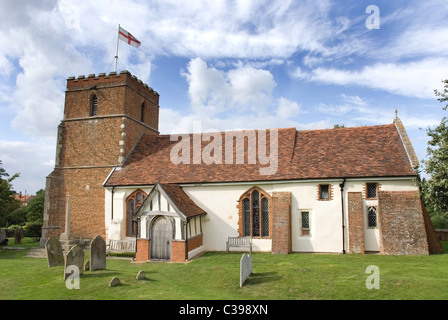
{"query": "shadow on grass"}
[(102, 273), (263, 277)]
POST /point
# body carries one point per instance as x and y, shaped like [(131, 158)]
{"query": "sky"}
[(223, 65)]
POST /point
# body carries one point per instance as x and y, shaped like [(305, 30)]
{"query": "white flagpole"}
[(116, 53)]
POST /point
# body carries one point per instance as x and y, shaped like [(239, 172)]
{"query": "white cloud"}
[(287, 109), (413, 79), (240, 98), (30, 159), (213, 91)]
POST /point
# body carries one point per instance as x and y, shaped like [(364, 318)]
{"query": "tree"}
[(7, 201), (35, 207), (435, 189)]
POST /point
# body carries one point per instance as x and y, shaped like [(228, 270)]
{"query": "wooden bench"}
[(239, 242), (121, 246)]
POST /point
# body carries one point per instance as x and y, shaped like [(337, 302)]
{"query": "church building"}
[(342, 190)]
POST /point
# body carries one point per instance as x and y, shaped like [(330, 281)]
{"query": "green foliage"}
[(439, 222), (444, 94), (35, 207), (435, 189), (11, 229), (33, 229), (7, 201)]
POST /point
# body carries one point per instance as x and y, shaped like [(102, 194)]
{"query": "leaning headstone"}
[(141, 275), (55, 256), (98, 254), (3, 239), (245, 268), (114, 282), (74, 257)]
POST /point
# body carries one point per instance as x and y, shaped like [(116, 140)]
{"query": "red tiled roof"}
[(370, 151), (181, 200)]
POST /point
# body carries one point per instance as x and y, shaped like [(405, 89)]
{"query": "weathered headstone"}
[(98, 253), (114, 282), (141, 275), (74, 257), (18, 235), (245, 268), (3, 239), (55, 256)]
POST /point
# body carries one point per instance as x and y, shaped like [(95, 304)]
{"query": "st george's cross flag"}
[(127, 37)]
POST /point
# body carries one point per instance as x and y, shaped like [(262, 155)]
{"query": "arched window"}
[(254, 213), (93, 105), (133, 202)]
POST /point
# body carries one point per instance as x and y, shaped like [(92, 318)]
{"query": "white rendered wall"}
[(221, 220)]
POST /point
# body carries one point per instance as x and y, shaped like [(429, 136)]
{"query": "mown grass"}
[(215, 275)]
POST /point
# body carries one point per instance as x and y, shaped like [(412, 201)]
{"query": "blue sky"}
[(223, 64)]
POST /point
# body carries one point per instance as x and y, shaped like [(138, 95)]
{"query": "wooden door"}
[(161, 239)]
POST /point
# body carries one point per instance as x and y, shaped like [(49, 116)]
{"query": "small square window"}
[(324, 192), (371, 190)]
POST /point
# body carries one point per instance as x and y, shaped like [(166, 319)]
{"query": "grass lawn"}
[(215, 275)]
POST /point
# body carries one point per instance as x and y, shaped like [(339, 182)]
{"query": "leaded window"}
[(133, 202), (372, 217), (265, 217), (371, 189), (305, 223), (255, 213), (131, 211), (246, 216)]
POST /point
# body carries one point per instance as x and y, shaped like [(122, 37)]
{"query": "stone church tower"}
[(104, 116)]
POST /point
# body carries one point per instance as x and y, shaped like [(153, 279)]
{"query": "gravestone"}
[(74, 257), (18, 235), (114, 282), (141, 275), (3, 239), (245, 268), (55, 256), (98, 253)]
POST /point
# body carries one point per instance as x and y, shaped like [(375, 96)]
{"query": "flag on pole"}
[(127, 37)]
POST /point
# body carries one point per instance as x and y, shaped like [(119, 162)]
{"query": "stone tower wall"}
[(89, 147)]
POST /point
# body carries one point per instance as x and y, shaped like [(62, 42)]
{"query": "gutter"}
[(341, 185)]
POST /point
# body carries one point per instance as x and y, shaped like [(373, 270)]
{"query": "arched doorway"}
[(161, 236)]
